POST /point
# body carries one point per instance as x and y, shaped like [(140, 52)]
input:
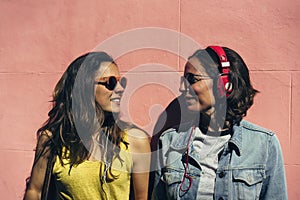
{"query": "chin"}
[(193, 108), (198, 108), (115, 109)]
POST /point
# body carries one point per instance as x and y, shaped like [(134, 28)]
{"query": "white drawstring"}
[(106, 164)]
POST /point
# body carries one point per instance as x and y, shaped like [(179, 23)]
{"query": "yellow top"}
[(83, 182)]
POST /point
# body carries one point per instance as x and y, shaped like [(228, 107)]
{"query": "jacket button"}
[(221, 175)]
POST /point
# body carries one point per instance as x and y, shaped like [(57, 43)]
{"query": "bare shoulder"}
[(138, 139), (137, 132), (44, 137), (46, 133), (132, 130), (43, 144)]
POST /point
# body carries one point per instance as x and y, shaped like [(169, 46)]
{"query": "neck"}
[(210, 123)]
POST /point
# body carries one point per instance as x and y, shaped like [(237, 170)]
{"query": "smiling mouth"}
[(116, 100), (188, 98)]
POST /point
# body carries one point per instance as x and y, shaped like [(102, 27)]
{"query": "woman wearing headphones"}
[(217, 154)]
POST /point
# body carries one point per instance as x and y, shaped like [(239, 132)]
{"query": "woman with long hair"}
[(84, 151)]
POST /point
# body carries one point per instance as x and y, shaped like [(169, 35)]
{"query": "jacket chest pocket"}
[(178, 187), (247, 183), (171, 179)]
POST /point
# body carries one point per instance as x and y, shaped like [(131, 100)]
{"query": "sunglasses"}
[(194, 78), (111, 82)]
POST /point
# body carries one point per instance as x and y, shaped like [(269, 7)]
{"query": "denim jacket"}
[(250, 166)]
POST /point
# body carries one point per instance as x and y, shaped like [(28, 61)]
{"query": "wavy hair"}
[(242, 95), (241, 98)]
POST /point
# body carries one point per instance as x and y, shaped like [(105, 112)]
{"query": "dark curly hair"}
[(242, 96)]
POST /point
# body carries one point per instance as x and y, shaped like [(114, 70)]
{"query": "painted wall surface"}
[(40, 38)]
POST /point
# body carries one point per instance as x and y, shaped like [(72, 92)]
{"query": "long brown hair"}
[(75, 115)]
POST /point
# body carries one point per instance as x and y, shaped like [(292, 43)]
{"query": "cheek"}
[(204, 92), (201, 89), (102, 97)]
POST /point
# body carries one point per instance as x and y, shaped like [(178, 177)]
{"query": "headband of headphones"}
[(224, 66)]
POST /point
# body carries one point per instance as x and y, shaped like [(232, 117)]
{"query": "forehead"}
[(194, 66), (107, 69)]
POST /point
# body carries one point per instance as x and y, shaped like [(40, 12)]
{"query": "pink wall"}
[(40, 38)]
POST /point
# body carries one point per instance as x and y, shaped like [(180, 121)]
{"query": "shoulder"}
[(44, 137), (136, 135), (253, 128), (136, 132), (45, 134), (139, 140), (169, 132), (179, 129), (44, 145), (171, 136), (259, 138), (132, 130)]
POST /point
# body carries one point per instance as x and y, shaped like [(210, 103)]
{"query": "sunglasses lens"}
[(112, 82), (123, 82), (191, 78)]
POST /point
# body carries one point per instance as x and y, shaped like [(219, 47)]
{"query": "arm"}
[(38, 171), (158, 186), (274, 186), (140, 151)]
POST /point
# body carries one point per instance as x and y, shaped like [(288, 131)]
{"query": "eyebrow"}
[(202, 75), (106, 77)]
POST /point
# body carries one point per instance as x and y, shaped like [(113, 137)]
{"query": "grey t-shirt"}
[(207, 148)]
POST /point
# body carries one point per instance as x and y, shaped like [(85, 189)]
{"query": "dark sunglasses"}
[(194, 78), (111, 82)]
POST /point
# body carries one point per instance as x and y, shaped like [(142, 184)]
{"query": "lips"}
[(116, 99), (189, 98)]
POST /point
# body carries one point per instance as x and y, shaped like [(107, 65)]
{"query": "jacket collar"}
[(184, 138), (235, 142)]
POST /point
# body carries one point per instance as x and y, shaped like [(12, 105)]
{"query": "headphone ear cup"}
[(225, 87), (228, 87)]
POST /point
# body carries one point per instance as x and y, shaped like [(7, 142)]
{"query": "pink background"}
[(40, 38)]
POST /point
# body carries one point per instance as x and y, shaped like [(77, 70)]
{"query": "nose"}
[(183, 88), (119, 88)]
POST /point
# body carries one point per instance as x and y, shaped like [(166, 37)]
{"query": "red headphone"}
[(225, 69)]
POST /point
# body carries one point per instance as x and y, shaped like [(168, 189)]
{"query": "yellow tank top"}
[(83, 182)]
